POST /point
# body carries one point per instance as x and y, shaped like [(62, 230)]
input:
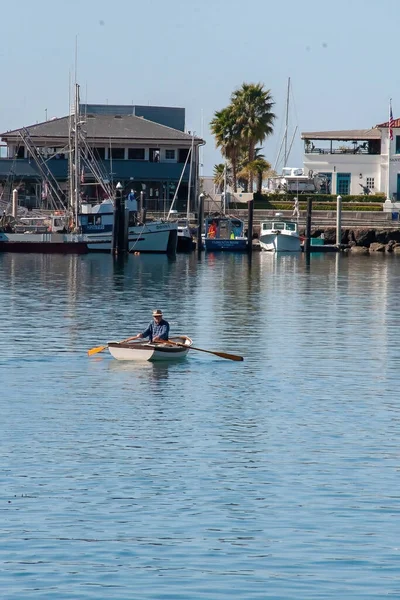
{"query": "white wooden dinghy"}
[(141, 350)]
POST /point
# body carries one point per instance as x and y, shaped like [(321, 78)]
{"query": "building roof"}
[(396, 123), (344, 135), (118, 127), (171, 116)]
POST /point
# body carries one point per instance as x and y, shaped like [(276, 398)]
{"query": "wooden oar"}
[(220, 354), (101, 348)]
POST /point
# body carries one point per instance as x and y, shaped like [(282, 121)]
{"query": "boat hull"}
[(47, 243), (280, 242), (185, 244), (225, 245), (160, 239), (145, 351)]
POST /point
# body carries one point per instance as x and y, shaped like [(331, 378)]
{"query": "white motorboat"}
[(280, 235), (96, 223), (141, 351)]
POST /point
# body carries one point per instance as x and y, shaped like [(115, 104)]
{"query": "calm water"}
[(275, 478)]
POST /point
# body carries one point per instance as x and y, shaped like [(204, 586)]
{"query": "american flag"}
[(391, 120)]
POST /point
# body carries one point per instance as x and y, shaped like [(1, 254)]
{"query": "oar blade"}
[(229, 356), (96, 350)]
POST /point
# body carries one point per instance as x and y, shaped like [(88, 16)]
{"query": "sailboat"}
[(185, 241)]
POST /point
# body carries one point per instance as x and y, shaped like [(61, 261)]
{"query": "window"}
[(154, 155), (183, 152), (118, 153), (325, 181), (397, 144), (170, 154), (99, 153), (136, 153), (371, 182)]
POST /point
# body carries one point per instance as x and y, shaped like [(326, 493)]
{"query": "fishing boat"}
[(44, 243), (142, 351), (96, 225), (280, 235), (224, 233), (45, 235)]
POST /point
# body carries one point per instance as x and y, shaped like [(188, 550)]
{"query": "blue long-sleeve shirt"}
[(160, 330)]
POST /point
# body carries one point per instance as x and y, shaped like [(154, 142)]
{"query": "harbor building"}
[(145, 148), (357, 161)]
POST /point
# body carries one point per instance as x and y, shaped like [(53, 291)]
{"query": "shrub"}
[(349, 206), (264, 199)]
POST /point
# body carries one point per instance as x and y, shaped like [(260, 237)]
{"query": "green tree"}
[(219, 176), (251, 107), (227, 137)]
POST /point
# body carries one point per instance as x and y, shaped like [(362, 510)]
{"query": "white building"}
[(356, 161)]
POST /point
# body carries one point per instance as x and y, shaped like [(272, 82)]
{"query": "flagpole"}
[(389, 140)]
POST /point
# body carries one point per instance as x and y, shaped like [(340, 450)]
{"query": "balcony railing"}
[(356, 150)]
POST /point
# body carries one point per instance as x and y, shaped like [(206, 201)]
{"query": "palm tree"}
[(227, 137), (219, 176), (245, 168), (252, 107)]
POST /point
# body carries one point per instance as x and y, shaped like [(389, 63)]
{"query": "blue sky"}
[(341, 56)]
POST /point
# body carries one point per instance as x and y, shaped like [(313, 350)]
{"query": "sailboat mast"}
[(77, 180), (190, 178), (286, 124)]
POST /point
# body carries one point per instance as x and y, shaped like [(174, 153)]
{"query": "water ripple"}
[(210, 479)]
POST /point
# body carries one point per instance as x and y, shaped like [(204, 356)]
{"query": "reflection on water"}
[(204, 478)]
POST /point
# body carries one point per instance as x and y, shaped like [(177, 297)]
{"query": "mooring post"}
[(118, 233), (200, 219), (250, 219), (14, 206), (339, 220), (307, 242), (143, 207)]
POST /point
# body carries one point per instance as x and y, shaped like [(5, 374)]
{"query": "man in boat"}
[(212, 230), (158, 329)]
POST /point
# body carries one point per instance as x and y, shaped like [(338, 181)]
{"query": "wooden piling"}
[(250, 219), (307, 242), (200, 222), (119, 239), (143, 207)]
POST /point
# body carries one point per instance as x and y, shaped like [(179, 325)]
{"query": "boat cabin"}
[(32, 225), (100, 217), (279, 225), (224, 228)]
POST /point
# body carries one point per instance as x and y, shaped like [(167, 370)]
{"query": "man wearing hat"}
[(158, 329)]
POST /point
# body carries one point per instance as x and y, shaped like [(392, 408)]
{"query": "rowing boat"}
[(140, 350)]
